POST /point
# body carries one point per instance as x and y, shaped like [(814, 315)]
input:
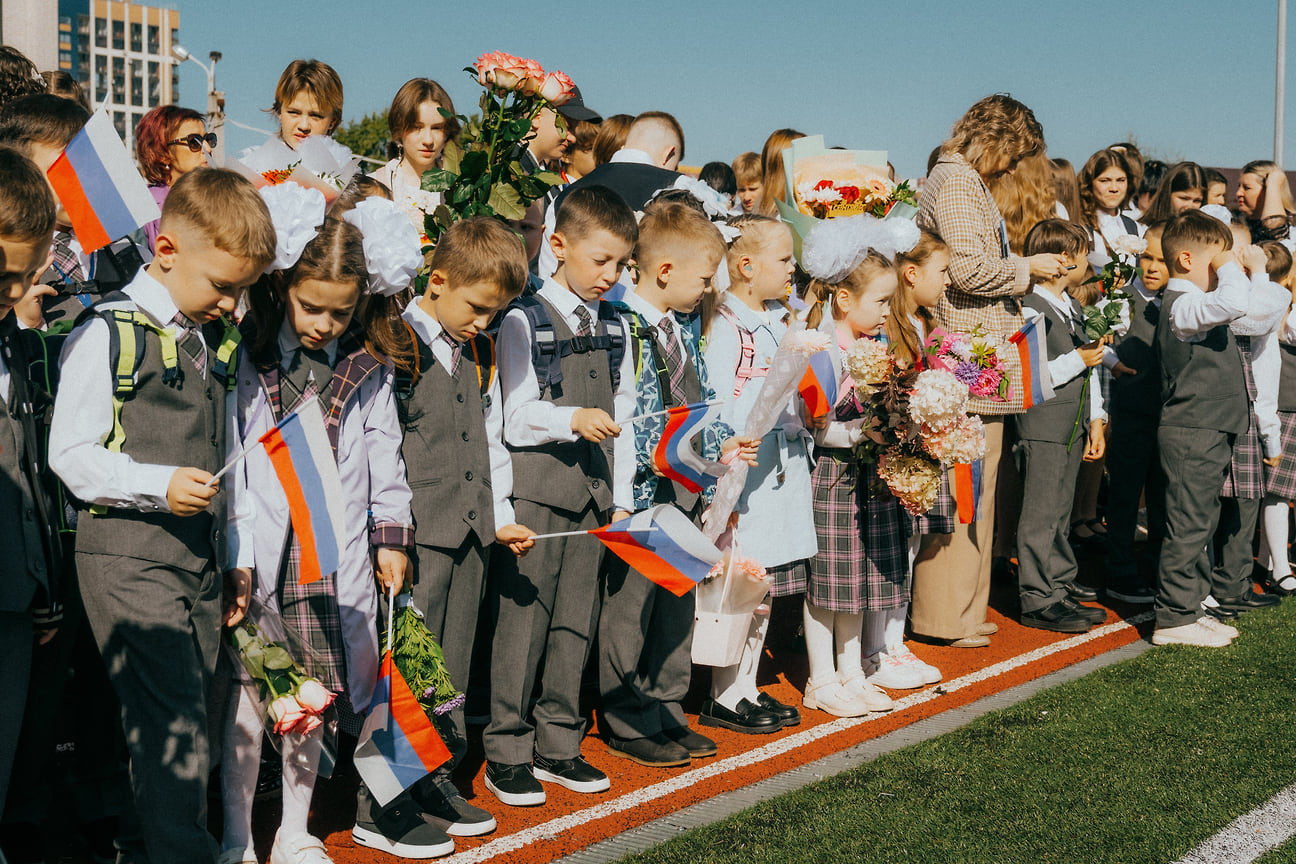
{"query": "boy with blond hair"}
[(140, 428)]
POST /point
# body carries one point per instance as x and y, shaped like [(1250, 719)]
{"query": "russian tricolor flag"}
[(96, 182), (1037, 386), (674, 455), (398, 745), (302, 457), (664, 545), (818, 385)]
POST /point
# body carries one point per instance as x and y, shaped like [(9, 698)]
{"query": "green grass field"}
[(1137, 762)]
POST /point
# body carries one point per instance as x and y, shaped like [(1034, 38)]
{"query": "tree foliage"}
[(366, 136)]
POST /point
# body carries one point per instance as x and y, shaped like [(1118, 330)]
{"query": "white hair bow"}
[(297, 214), (392, 248)]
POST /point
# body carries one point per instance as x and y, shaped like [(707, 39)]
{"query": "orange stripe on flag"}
[(298, 510), (63, 177), (413, 721), (1023, 356), (964, 493)]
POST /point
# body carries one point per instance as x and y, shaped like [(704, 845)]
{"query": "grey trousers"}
[(1231, 576), (548, 607), (1194, 461), (449, 588), (158, 629), (16, 638), (1046, 561), (645, 653)]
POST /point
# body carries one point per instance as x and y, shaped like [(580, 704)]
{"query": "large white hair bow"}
[(392, 248), (835, 247), (297, 214)]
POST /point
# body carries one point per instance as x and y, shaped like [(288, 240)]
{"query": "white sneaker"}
[(301, 849), (1218, 626), (238, 856), (858, 688), (1195, 633), (887, 669), (832, 698), (930, 674)]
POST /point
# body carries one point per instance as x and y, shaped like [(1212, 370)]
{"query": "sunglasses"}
[(195, 141)]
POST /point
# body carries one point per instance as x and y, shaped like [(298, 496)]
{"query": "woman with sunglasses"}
[(170, 141)]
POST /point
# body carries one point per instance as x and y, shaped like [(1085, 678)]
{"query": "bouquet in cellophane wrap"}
[(281, 672), (722, 619), (916, 421)]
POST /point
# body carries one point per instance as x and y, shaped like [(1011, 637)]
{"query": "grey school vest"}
[(167, 424), (1287, 379), (446, 456), (570, 475), (1139, 393), (1055, 419), (1202, 384), (20, 535)]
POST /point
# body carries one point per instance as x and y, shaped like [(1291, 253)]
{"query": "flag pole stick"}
[(652, 414), (391, 608), (576, 533), (230, 464)]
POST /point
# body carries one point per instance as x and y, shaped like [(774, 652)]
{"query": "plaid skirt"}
[(863, 560), (1281, 481), (788, 579), (942, 518), (312, 610), (1245, 478)]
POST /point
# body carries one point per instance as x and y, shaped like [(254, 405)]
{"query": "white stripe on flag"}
[(117, 162)]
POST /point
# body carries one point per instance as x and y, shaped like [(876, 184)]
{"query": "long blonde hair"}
[(875, 264), (906, 343), (1025, 197), (773, 183)]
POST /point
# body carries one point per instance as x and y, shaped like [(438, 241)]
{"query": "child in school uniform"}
[(308, 106), (862, 563), (157, 540), (40, 126), (568, 388), (1052, 442), (775, 526), (1133, 465), (1203, 408), (458, 468), (30, 587), (645, 631), (318, 326), (1280, 480)]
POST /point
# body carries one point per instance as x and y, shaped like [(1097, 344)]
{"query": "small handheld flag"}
[(664, 545), (302, 457), (1037, 385), (96, 182), (965, 484), (674, 456), (818, 386), (398, 745)]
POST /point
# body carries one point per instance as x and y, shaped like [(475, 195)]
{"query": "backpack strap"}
[(483, 348), (615, 334), (225, 366), (641, 331), (746, 352), (547, 350)]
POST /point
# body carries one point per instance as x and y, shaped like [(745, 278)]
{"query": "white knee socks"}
[(731, 684), (819, 643), (1273, 540), (884, 629)]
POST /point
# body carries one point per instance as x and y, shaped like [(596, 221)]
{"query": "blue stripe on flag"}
[(100, 188)]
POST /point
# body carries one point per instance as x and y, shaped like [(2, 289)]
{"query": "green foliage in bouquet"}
[(419, 657)]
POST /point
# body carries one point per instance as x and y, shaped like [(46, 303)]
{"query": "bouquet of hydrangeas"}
[(917, 422), (480, 173), (1111, 313), (973, 358)]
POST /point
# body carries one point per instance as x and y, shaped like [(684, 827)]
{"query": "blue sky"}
[(1189, 80)]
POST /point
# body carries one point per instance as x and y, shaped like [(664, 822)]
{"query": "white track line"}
[(1250, 835), (554, 827)]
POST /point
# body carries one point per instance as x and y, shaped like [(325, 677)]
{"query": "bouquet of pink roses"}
[(297, 701), (973, 358)]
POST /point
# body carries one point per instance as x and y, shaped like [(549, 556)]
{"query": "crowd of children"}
[(512, 398)]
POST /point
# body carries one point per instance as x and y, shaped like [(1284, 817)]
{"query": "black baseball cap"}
[(575, 109)]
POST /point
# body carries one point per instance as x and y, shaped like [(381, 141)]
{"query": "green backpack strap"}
[(225, 367)]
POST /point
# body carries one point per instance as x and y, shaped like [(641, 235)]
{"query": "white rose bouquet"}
[(1111, 313)]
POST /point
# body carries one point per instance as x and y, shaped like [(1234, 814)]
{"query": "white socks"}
[(819, 643), (1273, 540), (732, 684), (242, 761), (884, 629)]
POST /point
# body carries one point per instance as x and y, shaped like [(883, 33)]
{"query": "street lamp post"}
[(215, 98), (1280, 83)]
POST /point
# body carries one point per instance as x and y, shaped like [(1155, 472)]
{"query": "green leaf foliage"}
[(437, 180), (367, 136), (506, 202)]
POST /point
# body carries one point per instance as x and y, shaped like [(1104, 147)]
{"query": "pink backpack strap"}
[(746, 353)]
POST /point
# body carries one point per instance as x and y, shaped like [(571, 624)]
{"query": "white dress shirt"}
[(530, 421), (428, 330), (83, 420), (1064, 368), (1197, 312)]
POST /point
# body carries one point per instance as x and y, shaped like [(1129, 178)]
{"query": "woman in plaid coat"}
[(951, 584)]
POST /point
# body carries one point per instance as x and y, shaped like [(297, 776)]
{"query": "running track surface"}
[(569, 821)]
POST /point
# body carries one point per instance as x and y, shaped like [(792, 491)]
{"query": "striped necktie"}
[(190, 340), (586, 326), (675, 360), (456, 351)]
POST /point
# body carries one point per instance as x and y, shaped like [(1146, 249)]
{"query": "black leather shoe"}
[(1081, 593), (1093, 614), (1274, 587), (1249, 600), (575, 774), (698, 746), (655, 751), (787, 714), (514, 785), (747, 717), (1058, 617), (1219, 613)]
